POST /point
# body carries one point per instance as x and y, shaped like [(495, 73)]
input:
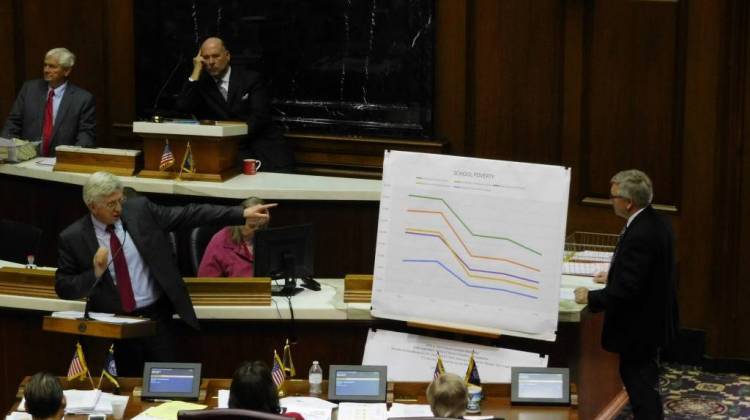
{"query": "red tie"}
[(47, 127), (121, 271)]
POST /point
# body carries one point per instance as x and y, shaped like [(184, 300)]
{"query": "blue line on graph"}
[(469, 284), (476, 269)]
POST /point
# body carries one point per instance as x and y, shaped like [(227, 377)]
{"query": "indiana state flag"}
[(110, 368), (472, 373), (188, 164)]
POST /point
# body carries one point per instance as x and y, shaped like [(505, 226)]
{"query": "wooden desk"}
[(495, 403)]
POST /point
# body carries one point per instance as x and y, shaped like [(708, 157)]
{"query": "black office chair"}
[(18, 240), (227, 414), (199, 239)]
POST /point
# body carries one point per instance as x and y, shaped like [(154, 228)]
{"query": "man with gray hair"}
[(120, 257), (639, 300), (51, 109)]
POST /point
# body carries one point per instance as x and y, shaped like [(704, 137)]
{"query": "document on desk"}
[(311, 408), (98, 316), (409, 410), (17, 415), (168, 410), (362, 411)]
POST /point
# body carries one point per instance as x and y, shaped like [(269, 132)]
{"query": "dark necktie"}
[(220, 85), (121, 271), (47, 124)]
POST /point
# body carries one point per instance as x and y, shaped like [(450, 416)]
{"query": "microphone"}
[(155, 117), (86, 316)]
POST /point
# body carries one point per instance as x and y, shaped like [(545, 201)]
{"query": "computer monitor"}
[(171, 380), (357, 383), (285, 253), (540, 385)]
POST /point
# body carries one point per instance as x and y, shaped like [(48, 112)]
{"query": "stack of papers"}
[(86, 402), (168, 410), (99, 316), (311, 408), (409, 410), (362, 411)]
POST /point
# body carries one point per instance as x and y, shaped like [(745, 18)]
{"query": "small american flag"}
[(167, 158), (277, 372), (78, 366)]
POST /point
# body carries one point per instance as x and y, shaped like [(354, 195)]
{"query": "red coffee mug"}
[(250, 166)]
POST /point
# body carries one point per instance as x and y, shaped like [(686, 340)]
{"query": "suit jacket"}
[(247, 100), (74, 124), (639, 300), (225, 258), (147, 224)]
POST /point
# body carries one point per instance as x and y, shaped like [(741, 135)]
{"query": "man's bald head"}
[(215, 57)]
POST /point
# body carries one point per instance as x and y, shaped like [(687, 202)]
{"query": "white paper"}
[(584, 268), (567, 293), (409, 410), (46, 161), (223, 398), (471, 243), (412, 358), (362, 411), (99, 316), (591, 256), (79, 401), (17, 415), (311, 408)]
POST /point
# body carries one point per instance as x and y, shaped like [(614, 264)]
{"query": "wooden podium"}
[(214, 148), (94, 328)]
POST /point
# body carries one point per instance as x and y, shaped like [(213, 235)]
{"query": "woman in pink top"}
[(230, 252)]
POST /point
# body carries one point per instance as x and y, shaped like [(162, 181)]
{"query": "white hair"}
[(634, 185), (63, 55), (100, 185)]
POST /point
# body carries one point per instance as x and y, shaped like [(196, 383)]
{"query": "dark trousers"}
[(640, 374), (131, 354)]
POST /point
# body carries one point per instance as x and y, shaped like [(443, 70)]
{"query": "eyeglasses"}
[(612, 197), (111, 205)]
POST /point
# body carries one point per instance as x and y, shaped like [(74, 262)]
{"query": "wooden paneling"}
[(516, 60), (632, 108), (7, 56)]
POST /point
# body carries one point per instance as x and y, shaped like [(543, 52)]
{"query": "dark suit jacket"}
[(75, 122), (247, 100), (639, 300), (147, 224)]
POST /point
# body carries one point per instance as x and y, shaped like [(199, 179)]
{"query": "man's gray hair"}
[(634, 185), (63, 55), (100, 185)]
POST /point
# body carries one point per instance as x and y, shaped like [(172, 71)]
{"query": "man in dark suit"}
[(120, 256), (217, 91), (639, 300), (52, 109)]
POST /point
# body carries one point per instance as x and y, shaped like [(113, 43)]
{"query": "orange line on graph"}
[(464, 266), (467, 248)]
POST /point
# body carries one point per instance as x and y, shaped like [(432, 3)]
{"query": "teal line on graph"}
[(502, 238)]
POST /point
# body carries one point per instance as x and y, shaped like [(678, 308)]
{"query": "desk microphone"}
[(155, 117), (86, 316)]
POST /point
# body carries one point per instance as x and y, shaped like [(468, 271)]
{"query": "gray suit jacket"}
[(75, 122), (147, 224)]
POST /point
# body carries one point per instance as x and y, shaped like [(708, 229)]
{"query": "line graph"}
[(470, 242)]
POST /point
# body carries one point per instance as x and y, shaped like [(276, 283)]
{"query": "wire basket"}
[(587, 253)]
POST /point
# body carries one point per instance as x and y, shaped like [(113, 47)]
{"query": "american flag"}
[(167, 158), (277, 372), (78, 366), (439, 369)]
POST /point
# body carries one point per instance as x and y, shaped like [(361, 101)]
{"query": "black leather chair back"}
[(199, 239), (17, 240), (227, 414)]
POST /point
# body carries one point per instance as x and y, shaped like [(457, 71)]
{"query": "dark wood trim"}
[(451, 73)]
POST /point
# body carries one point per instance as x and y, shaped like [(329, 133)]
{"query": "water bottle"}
[(315, 379)]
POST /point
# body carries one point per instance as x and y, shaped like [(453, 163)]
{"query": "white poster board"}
[(412, 358), (471, 243)]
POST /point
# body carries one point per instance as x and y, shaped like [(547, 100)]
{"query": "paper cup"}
[(118, 408)]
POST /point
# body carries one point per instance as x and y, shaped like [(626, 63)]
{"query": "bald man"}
[(217, 91)]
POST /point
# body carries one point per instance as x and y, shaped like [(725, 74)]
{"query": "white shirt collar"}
[(60, 90), (632, 217)]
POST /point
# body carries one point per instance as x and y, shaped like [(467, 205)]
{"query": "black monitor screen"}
[(171, 380), (284, 252)]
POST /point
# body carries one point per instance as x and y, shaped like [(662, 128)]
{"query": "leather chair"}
[(18, 241), (227, 414), (199, 239)]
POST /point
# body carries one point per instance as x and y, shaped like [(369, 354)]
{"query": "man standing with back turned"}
[(639, 300), (120, 256), (53, 110), (217, 91)]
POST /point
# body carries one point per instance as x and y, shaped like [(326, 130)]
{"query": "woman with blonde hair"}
[(230, 253)]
